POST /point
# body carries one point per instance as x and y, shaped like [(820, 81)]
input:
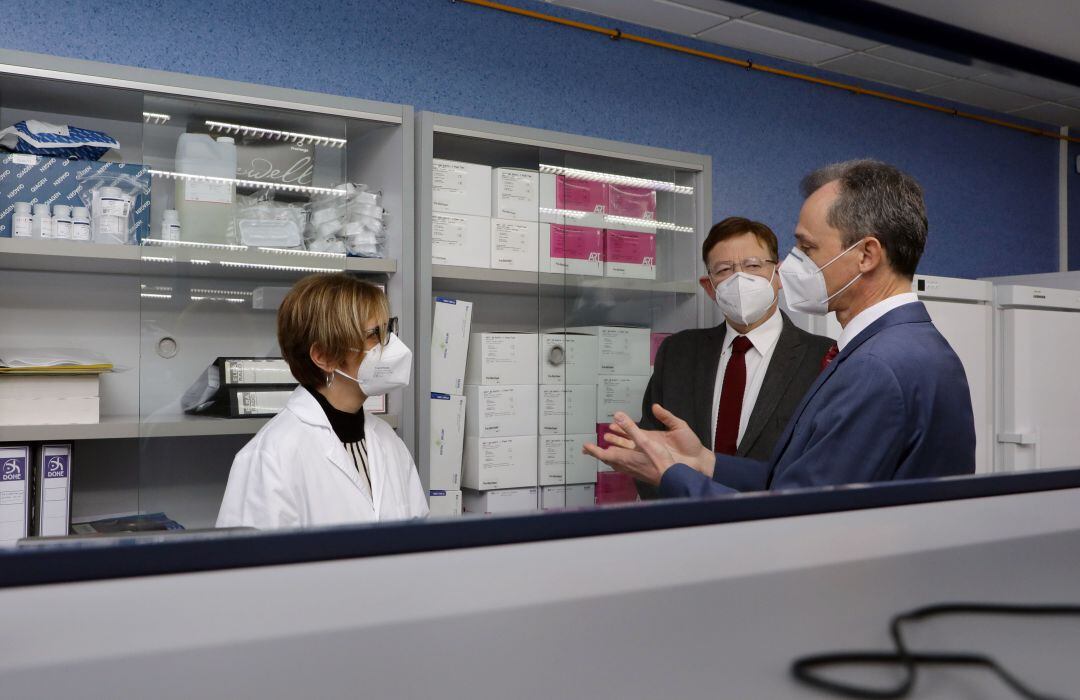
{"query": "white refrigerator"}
[(963, 312), (1038, 340)]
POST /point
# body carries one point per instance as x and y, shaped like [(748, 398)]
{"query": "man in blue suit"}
[(892, 401)]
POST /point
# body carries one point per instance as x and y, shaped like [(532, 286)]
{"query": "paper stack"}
[(50, 386)]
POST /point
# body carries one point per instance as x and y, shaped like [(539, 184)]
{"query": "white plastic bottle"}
[(109, 215), (170, 225), (42, 225), (62, 222), (80, 224), (22, 221), (206, 207)]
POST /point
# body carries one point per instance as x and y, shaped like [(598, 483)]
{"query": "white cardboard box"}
[(460, 188), (568, 358), (499, 463), (515, 194), (619, 393), (629, 254), (444, 504), (620, 349), (572, 496), (514, 245), (501, 410), (503, 502), (450, 345), (461, 239), (563, 462), (502, 358), (567, 409), (447, 440), (571, 248)]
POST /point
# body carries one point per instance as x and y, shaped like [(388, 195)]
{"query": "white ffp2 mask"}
[(744, 298), (804, 282), (384, 368)]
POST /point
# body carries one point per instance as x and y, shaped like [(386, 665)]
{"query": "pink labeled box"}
[(634, 202), (630, 254), (575, 250), (581, 195)]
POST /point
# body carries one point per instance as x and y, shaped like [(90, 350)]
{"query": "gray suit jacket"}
[(684, 375)]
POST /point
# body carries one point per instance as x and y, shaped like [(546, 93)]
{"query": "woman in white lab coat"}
[(323, 460)]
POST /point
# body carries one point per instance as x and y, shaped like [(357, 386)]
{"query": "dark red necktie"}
[(829, 355), (731, 396)]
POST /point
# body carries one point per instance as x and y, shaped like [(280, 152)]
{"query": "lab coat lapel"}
[(340, 458)]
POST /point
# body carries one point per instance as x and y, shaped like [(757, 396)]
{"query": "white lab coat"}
[(296, 473)]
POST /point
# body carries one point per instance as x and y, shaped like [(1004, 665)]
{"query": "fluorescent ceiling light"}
[(613, 179), (275, 135)]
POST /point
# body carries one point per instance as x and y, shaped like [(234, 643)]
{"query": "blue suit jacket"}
[(894, 404)]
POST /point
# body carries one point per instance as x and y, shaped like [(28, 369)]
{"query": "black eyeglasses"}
[(383, 332)]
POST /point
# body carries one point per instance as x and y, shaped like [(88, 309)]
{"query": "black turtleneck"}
[(349, 427)]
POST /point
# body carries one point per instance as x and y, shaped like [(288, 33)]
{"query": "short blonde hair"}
[(327, 311)]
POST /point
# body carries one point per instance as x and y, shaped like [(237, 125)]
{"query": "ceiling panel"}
[(751, 37), (930, 63), (981, 95), (1051, 113), (669, 17), (812, 31), (1049, 90), (881, 70), (720, 7)]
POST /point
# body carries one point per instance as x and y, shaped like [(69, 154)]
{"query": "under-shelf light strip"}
[(155, 118), (648, 223), (191, 244), (303, 253), (290, 268), (275, 135), (612, 179), (231, 300), (148, 295), (336, 192), (567, 213), (222, 292)]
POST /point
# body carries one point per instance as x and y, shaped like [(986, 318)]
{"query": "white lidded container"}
[(22, 221), (80, 224), (62, 222), (109, 211), (206, 208), (170, 225), (42, 222)]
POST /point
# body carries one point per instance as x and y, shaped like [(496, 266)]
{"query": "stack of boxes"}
[(500, 423), (623, 370), (449, 348), (517, 219)]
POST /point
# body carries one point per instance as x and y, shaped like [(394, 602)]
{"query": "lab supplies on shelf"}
[(500, 502), (446, 439), (460, 188), (502, 358), (14, 493), (500, 410), (514, 245), (515, 194), (562, 461), (569, 497), (43, 139), (133, 522), (451, 324), (444, 503), (52, 491), (461, 239), (499, 463)]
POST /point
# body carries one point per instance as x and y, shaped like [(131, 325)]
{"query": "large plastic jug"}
[(206, 207)]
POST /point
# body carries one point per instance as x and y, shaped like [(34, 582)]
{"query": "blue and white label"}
[(444, 300), (13, 469), (56, 467), (441, 397)]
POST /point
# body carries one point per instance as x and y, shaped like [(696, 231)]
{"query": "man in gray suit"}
[(736, 384)]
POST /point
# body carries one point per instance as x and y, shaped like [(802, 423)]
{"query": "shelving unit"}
[(128, 302), (517, 300)]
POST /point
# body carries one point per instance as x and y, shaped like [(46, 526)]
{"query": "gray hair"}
[(879, 200)]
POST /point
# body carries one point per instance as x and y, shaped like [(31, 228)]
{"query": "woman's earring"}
[(329, 379)]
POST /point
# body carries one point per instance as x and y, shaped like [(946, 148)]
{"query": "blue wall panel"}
[(992, 193)]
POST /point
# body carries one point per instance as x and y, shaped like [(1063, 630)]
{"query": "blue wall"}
[(991, 192)]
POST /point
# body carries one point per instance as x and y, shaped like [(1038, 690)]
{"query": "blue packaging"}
[(52, 181)]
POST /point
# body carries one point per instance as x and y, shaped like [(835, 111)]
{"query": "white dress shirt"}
[(868, 315), (757, 358)]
